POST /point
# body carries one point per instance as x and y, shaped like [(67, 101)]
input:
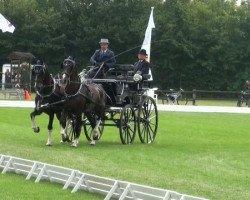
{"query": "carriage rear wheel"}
[(127, 125), (88, 129), (147, 120)]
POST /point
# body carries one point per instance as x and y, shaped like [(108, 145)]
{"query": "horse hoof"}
[(48, 144), (92, 142), (66, 139), (36, 129), (74, 145), (96, 137)]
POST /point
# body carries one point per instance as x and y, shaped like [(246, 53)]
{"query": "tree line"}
[(202, 44)]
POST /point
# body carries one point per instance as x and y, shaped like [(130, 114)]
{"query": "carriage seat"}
[(124, 67)]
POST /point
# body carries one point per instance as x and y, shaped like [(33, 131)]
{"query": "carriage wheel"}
[(127, 125), (182, 100), (88, 129), (147, 120)]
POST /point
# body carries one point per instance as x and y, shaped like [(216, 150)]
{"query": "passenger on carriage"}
[(103, 59), (141, 67)]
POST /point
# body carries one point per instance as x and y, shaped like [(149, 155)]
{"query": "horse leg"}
[(77, 129), (92, 120), (95, 131), (61, 116), (101, 116), (33, 115), (50, 128)]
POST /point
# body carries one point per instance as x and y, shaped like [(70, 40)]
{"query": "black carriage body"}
[(121, 87), (128, 107)]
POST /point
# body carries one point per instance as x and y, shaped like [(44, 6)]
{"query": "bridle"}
[(72, 65), (41, 70)]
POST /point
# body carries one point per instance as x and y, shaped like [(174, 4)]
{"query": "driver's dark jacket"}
[(108, 58), (142, 66)]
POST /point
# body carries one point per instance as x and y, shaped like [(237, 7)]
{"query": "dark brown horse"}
[(89, 99), (47, 92)]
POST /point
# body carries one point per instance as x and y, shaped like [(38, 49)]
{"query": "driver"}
[(103, 59)]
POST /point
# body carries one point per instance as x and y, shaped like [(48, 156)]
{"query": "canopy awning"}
[(21, 56)]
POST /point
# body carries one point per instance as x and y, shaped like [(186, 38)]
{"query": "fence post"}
[(194, 96)]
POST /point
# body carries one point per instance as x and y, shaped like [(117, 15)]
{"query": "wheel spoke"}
[(151, 129), (131, 130), (130, 137), (152, 117), (150, 109), (143, 131), (149, 132)]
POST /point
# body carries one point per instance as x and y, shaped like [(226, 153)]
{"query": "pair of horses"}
[(69, 98)]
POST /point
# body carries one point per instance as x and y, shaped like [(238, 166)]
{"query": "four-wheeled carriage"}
[(128, 107)]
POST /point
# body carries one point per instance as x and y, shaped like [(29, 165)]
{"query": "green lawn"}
[(15, 187), (231, 103), (215, 103), (201, 154)]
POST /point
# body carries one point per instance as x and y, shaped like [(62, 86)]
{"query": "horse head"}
[(69, 70), (39, 71)]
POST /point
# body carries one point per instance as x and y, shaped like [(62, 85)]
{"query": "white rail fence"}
[(82, 181)]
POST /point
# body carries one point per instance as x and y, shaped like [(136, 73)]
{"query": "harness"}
[(52, 91)]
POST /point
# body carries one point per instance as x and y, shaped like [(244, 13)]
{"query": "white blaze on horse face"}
[(49, 141)]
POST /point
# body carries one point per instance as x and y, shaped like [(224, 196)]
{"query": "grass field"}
[(230, 103), (15, 187), (201, 154)]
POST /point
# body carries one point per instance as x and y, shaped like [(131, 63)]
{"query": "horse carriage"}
[(128, 107), (120, 99)]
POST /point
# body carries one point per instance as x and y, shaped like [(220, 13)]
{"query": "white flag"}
[(5, 25), (147, 39)]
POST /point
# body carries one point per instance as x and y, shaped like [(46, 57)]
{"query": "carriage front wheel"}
[(127, 125), (147, 120)]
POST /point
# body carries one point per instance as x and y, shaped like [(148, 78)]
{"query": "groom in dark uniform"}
[(103, 59), (141, 67)]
